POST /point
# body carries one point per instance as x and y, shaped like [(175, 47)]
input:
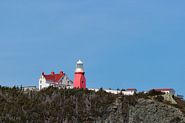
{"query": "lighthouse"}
[(79, 78)]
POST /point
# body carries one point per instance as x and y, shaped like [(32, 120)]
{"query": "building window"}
[(40, 86)]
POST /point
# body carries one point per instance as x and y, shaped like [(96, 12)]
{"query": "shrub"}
[(142, 95), (159, 98), (154, 93), (175, 120)]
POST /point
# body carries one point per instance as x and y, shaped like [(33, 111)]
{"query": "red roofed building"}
[(166, 90), (57, 80)]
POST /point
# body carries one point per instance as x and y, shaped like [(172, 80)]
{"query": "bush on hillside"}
[(154, 93), (159, 98)]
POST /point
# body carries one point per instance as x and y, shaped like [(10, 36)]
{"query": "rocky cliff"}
[(83, 106)]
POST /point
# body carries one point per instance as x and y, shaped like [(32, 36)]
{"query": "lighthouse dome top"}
[(79, 66), (79, 62)]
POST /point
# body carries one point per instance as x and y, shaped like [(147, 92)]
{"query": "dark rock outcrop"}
[(149, 111)]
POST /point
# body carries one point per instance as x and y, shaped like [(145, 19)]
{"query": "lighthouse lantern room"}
[(79, 78)]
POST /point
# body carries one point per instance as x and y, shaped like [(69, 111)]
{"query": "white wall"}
[(43, 83), (127, 92)]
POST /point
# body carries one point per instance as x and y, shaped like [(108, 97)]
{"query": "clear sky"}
[(123, 43)]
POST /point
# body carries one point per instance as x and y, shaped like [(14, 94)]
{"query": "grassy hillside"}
[(66, 105)]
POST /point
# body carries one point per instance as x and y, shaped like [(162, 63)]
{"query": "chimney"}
[(43, 73), (53, 73), (61, 72)]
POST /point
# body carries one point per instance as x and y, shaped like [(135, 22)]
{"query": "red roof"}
[(164, 89), (53, 77), (131, 89)]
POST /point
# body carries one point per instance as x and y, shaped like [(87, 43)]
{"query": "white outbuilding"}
[(166, 90)]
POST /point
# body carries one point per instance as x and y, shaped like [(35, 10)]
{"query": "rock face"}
[(148, 111), (83, 106), (169, 98), (145, 111)]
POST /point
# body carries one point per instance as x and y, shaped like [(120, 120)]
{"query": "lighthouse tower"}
[(79, 78)]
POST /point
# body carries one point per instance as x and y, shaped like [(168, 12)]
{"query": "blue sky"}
[(124, 43)]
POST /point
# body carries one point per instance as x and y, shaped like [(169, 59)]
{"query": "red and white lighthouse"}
[(79, 78)]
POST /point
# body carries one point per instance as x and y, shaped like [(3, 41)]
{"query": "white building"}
[(57, 80), (30, 88), (130, 91), (166, 90)]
